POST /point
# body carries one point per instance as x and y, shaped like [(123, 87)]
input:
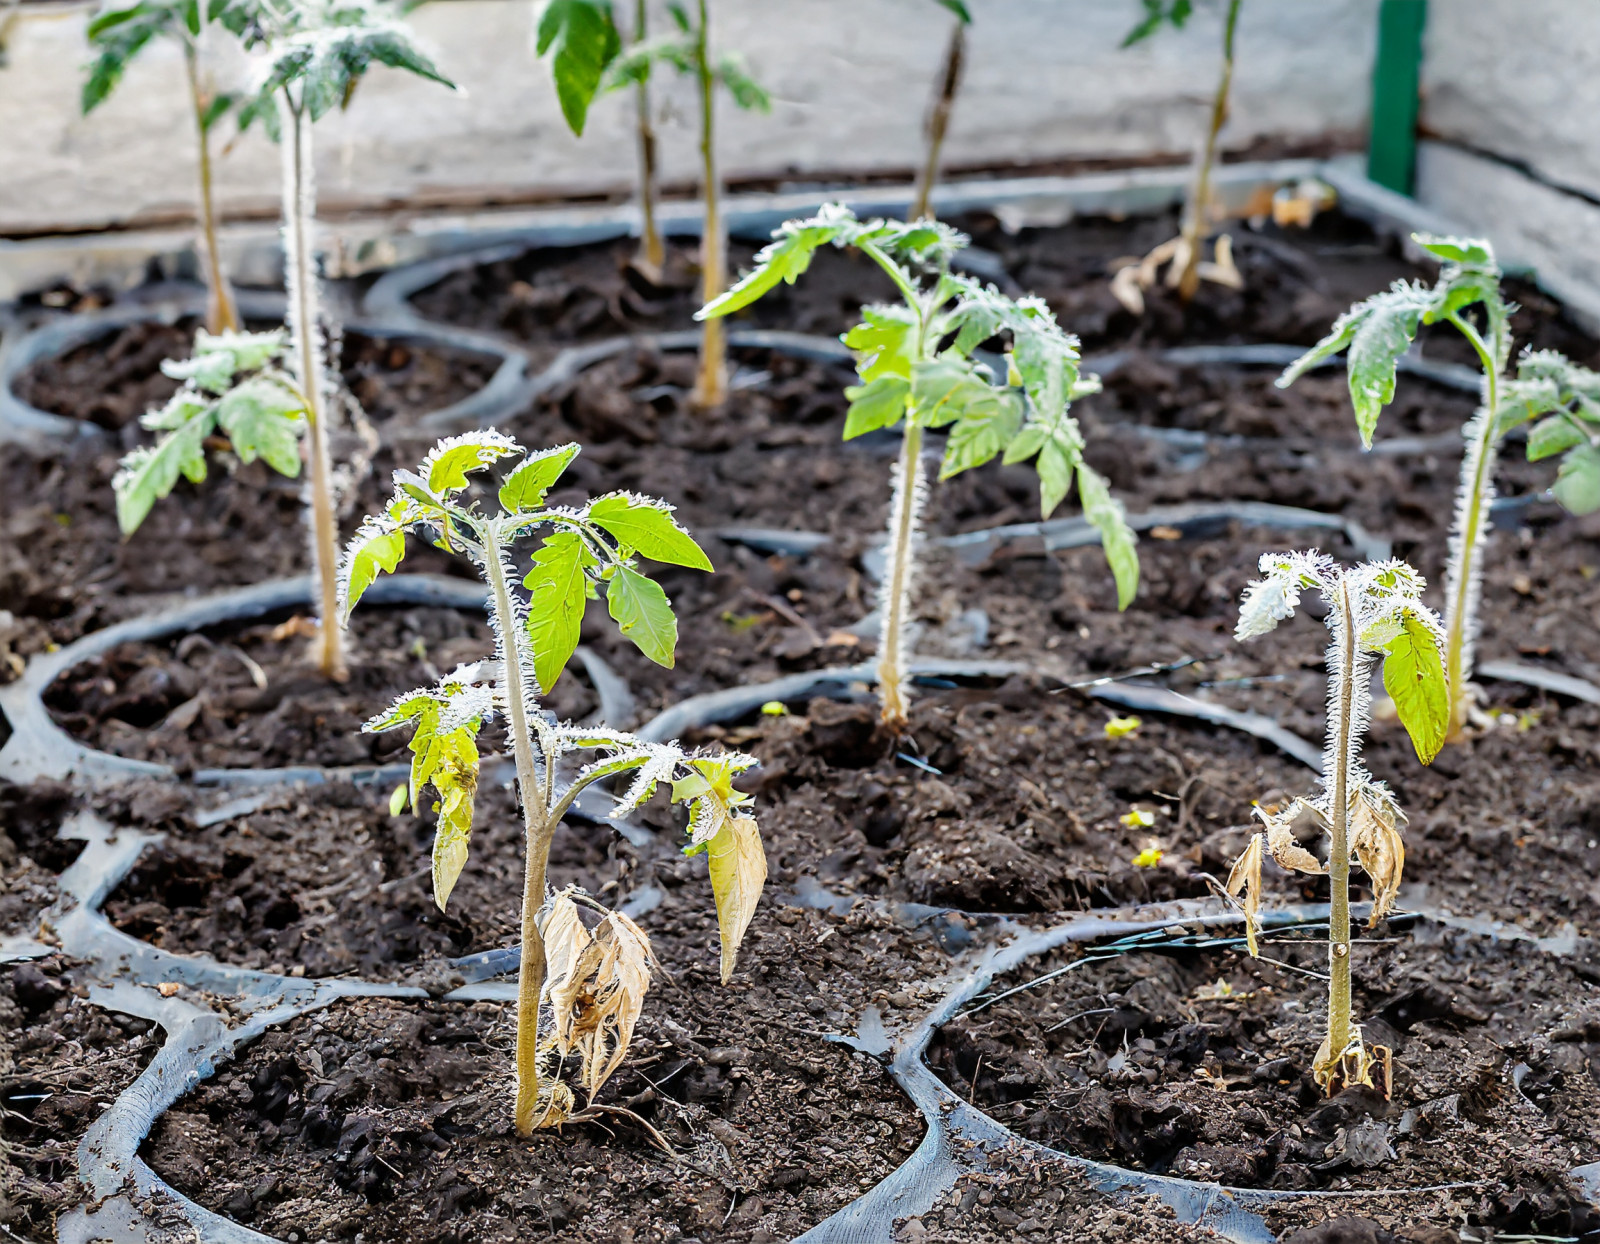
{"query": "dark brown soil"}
[(110, 382), (397, 1129), (63, 1060)]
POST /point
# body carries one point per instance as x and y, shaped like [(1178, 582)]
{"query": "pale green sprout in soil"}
[(1184, 251), (1374, 609), (118, 34), (688, 51), (1563, 397), (592, 982), (917, 369)]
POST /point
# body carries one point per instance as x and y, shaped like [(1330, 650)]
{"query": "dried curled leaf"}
[(1375, 838), (595, 985), (1246, 876), (1281, 841), (1352, 1065)]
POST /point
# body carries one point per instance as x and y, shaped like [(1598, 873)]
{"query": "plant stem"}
[(1472, 504), (711, 384), (904, 509), (222, 314), (939, 120), (1194, 217), (537, 829), (299, 211), (652, 254), (1345, 664)]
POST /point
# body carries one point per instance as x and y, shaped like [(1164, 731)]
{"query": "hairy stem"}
[(711, 383), (1345, 665), (652, 254), (904, 510), (939, 120), (537, 829), (222, 315), (1194, 216), (1473, 496), (299, 211)]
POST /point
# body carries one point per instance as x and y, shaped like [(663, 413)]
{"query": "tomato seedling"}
[(918, 370), (1563, 397), (1373, 609), (593, 982)]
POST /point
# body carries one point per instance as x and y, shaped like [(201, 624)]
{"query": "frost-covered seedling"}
[(918, 370), (236, 383), (320, 50), (117, 35), (1184, 252), (1374, 609), (688, 50), (592, 981), (1563, 397)]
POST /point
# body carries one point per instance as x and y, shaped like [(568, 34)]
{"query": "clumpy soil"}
[(247, 696), (113, 380), (389, 1120)]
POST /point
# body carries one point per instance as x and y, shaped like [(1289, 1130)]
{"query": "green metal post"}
[(1392, 145)]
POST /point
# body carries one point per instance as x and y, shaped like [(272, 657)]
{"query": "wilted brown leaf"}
[(1285, 847), (1246, 876), (1375, 838)]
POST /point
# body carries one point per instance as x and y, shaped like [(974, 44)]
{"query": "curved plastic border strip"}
[(27, 424)]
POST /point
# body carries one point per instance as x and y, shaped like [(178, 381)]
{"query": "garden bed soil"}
[(63, 1060)]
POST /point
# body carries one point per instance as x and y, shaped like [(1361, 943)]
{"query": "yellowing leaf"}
[(738, 871), (525, 487), (1121, 727), (1139, 818), (376, 549), (1148, 858), (1414, 677)]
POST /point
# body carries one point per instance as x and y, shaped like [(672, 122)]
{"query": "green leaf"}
[(395, 49), (884, 342), (747, 93), (647, 527), (877, 405), (1056, 466), (1577, 485), (445, 468), (943, 388), (643, 614), (525, 487), (1172, 12), (958, 8), (146, 475), (1468, 252), (1116, 537), (584, 39), (1413, 675), (263, 419), (1553, 436), (376, 549), (1026, 444), (986, 426), (559, 590), (783, 259)]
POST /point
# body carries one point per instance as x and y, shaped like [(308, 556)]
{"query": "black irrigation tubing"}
[(37, 748), (123, 973), (25, 423)]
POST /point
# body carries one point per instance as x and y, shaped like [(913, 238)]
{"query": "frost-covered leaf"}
[(445, 468), (1270, 599), (264, 419), (747, 93), (375, 549), (783, 259), (559, 595), (524, 489), (148, 474), (644, 526)]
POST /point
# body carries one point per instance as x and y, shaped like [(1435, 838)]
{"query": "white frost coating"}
[(894, 604), (1467, 546)]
